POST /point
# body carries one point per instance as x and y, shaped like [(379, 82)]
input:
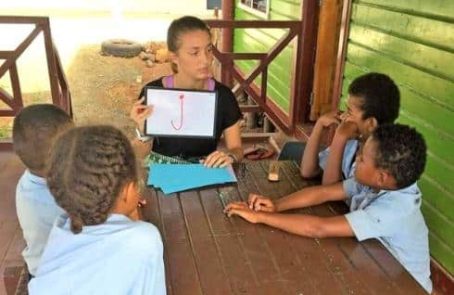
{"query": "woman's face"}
[(194, 55)]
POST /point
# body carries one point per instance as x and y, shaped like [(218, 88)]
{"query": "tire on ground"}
[(121, 48)]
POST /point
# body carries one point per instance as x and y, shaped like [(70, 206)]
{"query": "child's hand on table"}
[(242, 209), (261, 203)]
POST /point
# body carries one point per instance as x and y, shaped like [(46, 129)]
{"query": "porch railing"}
[(58, 84), (300, 83)]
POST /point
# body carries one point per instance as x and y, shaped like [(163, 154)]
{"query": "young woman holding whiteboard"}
[(190, 47)]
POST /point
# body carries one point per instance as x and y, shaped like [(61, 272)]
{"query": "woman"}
[(190, 48)]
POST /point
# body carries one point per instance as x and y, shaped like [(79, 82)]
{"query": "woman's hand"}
[(218, 159), (261, 203), (140, 112)]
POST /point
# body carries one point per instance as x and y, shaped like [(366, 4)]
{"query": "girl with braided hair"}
[(99, 246)]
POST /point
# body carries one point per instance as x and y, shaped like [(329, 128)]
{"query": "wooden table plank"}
[(210, 269), (237, 267), (182, 270), (209, 253)]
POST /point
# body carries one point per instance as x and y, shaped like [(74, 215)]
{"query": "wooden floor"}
[(11, 241)]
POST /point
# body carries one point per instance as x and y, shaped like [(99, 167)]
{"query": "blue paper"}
[(171, 178)]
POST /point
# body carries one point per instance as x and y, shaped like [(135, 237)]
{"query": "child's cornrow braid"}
[(88, 169)]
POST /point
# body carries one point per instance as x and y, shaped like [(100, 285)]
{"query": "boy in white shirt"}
[(34, 130)]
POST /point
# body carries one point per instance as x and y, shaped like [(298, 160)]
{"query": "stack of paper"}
[(171, 178)]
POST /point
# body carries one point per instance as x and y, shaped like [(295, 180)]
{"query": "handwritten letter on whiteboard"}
[(185, 113)]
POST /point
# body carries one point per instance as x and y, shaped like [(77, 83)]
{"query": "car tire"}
[(121, 48)]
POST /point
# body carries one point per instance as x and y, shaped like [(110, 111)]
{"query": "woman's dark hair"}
[(380, 96), (183, 25), (88, 168), (401, 150)]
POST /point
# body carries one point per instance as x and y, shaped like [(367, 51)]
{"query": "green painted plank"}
[(441, 252), (266, 38), (437, 197), (440, 90), (285, 9), (440, 226), (278, 92), (408, 52), (442, 8), (437, 143), (277, 75), (442, 174), (439, 117), (427, 30), (254, 41)]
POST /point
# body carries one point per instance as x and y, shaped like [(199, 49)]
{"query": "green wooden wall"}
[(258, 40), (413, 42)]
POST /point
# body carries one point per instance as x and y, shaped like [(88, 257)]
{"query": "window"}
[(258, 7)]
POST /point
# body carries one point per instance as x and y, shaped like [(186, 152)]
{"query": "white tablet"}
[(181, 112)]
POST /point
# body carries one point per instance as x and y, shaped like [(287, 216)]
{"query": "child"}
[(383, 196), (97, 248), (373, 100), (34, 130)]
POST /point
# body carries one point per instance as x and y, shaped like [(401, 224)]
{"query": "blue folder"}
[(171, 178)]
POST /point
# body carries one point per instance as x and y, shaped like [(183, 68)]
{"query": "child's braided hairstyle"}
[(88, 168)]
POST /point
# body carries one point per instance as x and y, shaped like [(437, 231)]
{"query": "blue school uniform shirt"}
[(395, 219), (348, 159), (120, 256), (36, 211)]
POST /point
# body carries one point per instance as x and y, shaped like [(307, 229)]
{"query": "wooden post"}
[(341, 51), (227, 41), (325, 59), (304, 64)]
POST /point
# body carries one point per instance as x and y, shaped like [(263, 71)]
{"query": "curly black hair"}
[(88, 168), (401, 150), (380, 96), (34, 130)]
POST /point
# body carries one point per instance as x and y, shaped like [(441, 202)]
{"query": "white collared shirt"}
[(36, 211), (119, 256), (395, 219)]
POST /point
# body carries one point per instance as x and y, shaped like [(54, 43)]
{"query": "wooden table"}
[(208, 253)]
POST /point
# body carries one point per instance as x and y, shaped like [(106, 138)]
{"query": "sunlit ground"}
[(73, 27)]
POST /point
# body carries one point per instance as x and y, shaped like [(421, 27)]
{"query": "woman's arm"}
[(232, 137)]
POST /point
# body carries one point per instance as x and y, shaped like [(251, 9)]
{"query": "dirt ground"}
[(103, 88)]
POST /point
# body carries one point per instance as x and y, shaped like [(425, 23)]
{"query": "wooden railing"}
[(301, 73), (58, 84)]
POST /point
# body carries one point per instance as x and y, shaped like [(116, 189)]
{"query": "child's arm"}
[(311, 196), (263, 210), (333, 170), (303, 225), (309, 166), (304, 198)]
